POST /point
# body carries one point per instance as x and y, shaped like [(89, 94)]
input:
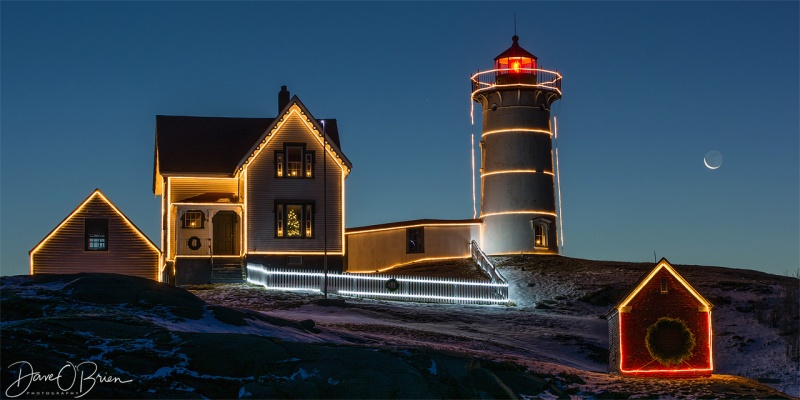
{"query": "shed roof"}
[(663, 264)]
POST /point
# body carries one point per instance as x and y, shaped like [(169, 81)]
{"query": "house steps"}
[(227, 273)]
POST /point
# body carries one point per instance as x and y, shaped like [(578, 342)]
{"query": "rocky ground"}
[(110, 336)]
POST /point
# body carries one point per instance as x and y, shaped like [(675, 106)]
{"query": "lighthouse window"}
[(540, 235), (415, 240)]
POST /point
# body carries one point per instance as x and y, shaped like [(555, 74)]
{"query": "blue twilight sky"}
[(649, 89)]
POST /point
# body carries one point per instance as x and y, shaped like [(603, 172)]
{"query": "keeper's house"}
[(96, 237), (661, 329), (236, 190)]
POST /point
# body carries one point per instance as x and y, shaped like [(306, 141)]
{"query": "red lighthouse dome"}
[(515, 60)]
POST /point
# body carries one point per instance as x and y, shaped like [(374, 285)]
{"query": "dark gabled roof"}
[(211, 145), (515, 50), (663, 264), (205, 145)]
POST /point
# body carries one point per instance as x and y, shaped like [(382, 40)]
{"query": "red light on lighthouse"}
[(515, 63)]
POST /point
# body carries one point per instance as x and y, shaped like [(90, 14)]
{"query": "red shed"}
[(661, 329)]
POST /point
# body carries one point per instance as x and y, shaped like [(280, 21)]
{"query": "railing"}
[(527, 77), (384, 286), (203, 243), (486, 264)]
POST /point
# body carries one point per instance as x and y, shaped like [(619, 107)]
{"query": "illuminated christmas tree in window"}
[(293, 221)]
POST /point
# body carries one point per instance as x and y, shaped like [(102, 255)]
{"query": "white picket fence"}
[(387, 286)]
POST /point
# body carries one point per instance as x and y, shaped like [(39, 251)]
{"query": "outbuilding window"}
[(415, 240), (96, 234)]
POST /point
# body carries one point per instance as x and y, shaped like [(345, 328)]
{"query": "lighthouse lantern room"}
[(518, 197), (515, 65)]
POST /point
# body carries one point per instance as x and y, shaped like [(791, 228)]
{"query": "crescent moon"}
[(713, 159)]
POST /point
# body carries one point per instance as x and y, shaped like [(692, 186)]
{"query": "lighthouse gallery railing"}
[(526, 77)]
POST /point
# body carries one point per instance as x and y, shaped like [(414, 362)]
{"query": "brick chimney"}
[(283, 98)]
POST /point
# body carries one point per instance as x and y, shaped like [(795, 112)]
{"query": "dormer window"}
[(294, 162)]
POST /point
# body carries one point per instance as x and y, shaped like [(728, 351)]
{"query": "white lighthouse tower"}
[(518, 202)]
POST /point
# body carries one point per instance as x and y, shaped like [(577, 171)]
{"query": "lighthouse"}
[(518, 197)]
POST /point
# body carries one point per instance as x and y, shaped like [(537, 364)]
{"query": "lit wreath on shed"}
[(670, 341)]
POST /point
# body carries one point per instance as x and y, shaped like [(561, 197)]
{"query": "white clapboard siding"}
[(263, 189)]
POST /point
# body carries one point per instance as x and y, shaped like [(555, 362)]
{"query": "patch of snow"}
[(244, 393), (543, 396), (162, 372), (303, 375), (432, 369), (210, 324)]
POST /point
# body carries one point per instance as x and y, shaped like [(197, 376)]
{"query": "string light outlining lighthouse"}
[(517, 172)]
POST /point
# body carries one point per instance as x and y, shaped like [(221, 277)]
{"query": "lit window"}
[(279, 219), (308, 220), (540, 234), (664, 288), (309, 165), (294, 157), (415, 240), (294, 161), (96, 234), (294, 220), (193, 219)]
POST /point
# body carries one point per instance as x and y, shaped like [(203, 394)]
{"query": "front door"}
[(224, 233)]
